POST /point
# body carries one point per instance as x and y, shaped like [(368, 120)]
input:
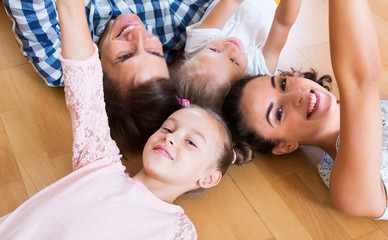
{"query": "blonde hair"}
[(195, 83)]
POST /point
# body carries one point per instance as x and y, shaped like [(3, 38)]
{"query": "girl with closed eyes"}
[(235, 38)]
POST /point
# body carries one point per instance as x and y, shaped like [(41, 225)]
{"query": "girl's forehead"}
[(196, 117), (191, 115)]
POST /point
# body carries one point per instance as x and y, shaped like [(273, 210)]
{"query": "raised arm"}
[(285, 16), (220, 14), (355, 184), (76, 41), (83, 88)]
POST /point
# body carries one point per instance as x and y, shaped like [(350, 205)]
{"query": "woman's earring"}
[(203, 183)]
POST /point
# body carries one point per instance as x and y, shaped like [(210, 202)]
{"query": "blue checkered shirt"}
[(36, 27)]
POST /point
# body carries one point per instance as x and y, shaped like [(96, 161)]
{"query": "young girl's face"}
[(224, 58), (290, 109), (185, 149)]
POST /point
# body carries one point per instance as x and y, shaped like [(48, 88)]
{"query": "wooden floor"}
[(270, 198)]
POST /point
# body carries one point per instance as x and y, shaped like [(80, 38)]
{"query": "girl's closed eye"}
[(191, 143), (214, 50), (166, 129), (234, 61)]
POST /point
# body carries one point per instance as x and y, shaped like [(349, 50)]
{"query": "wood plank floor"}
[(270, 198)]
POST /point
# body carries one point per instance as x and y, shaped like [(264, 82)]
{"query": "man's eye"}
[(283, 84), (279, 114), (191, 143), (234, 61)]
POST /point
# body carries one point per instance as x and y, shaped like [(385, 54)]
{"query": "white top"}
[(325, 166), (250, 23), (98, 200)]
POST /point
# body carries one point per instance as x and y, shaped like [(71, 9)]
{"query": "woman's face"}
[(129, 53), (288, 109), (185, 149)]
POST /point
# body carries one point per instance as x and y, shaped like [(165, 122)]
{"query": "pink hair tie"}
[(183, 102)]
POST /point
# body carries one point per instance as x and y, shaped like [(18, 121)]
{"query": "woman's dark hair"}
[(134, 114), (243, 134)]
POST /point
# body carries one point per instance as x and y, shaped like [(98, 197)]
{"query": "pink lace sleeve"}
[(85, 101), (185, 229)]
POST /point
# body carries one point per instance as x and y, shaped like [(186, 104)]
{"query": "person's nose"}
[(170, 139), (230, 49), (295, 97), (137, 37)]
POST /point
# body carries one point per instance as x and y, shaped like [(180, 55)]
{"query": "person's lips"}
[(127, 28), (235, 43), (313, 103), (159, 149)]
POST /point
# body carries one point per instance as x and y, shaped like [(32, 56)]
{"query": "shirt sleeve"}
[(198, 38), (36, 29), (85, 101), (185, 229), (183, 13)]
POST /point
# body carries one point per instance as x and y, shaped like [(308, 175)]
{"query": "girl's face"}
[(288, 109), (128, 51), (185, 149), (224, 58)]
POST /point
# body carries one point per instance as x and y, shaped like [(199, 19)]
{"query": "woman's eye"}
[(167, 130), (234, 61), (125, 57), (191, 143), (283, 84), (214, 50), (279, 114), (156, 53)]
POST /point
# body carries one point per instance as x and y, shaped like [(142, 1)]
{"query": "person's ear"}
[(285, 147), (212, 179)]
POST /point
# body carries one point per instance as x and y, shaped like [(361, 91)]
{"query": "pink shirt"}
[(98, 200)]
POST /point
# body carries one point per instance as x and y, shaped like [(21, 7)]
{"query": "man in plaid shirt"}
[(36, 28)]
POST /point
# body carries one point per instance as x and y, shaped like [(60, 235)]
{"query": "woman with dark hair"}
[(242, 132), (37, 31), (134, 40), (279, 113)]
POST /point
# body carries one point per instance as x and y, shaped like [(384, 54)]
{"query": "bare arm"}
[(220, 14), (355, 184), (76, 41), (285, 16)]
